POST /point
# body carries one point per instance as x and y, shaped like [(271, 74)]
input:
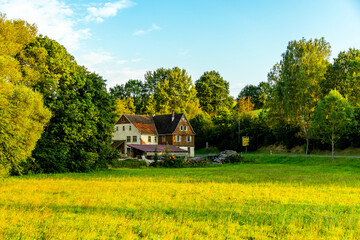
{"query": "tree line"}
[(56, 116), (306, 100)]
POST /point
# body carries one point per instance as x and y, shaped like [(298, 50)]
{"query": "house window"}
[(149, 139), (155, 139), (123, 128), (134, 138), (188, 139), (128, 139), (130, 128), (163, 139), (183, 128), (123, 119), (178, 138)]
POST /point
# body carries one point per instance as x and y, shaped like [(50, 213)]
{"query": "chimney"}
[(173, 116)]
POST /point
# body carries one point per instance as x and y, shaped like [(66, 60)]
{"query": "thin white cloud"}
[(153, 27), (120, 76), (136, 60), (109, 9), (95, 58), (139, 32), (53, 18), (122, 61), (183, 52)]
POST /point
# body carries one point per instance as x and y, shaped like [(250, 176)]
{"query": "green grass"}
[(278, 197)]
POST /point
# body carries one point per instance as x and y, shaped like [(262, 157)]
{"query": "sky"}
[(242, 40)]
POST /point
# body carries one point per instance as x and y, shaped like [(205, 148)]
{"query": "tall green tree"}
[(22, 119), (257, 94), (171, 90), (124, 106), (244, 105), (213, 92), (332, 119), (134, 89), (79, 133), (202, 126), (14, 36), (22, 111), (295, 82), (344, 75), (152, 78)]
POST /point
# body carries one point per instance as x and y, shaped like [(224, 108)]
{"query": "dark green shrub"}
[(197, 163), (237, 158), (128, 163), (172, 162)]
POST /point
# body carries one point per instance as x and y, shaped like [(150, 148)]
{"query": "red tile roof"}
[(143, 123), (160, 148)]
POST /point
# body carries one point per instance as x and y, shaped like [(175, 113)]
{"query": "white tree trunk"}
[(306, 136), (332, 149)]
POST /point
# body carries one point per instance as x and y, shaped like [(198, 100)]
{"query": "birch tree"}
[(295, 83)]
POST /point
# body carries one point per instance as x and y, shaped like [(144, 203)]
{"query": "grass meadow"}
[(278, 197)]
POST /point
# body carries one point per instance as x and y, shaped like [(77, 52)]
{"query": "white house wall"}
[(145, 139), (120, 134), (190, 150)]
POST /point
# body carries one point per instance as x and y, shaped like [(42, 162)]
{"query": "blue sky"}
[(242, 40)]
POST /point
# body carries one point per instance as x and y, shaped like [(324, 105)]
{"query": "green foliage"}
[(257, 94), (156, 155), (344, 75), (22, 111), (332, 118), (14, 36), (295, 81), (171, 162), (213, 92), (22, 119), (134, 89), (202, 126), (244, 105), (170, 90), (83, 112), (124, 106), (210, 150), (237, 159), (295, 88), (128, 163)]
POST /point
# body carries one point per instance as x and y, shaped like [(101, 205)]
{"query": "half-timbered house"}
[(131, 131)]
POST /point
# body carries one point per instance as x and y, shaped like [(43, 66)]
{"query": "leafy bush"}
[(197, 163), (128, 163), (237, 158), (172, 162)]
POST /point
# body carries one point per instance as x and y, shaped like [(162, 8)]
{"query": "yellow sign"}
[(245, 141)]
